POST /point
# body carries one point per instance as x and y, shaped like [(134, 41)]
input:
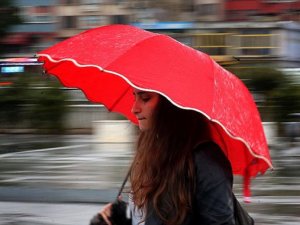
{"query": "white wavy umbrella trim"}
[(151, 90)]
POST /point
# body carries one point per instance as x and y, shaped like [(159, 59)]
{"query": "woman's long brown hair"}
[(162, 174)]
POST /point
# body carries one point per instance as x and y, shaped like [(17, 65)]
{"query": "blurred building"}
[(75, 16), (262, 10), (224, 29), (209, 10), (273, 43), (161, 10), (215, 10), (253, 30), (37, 31)]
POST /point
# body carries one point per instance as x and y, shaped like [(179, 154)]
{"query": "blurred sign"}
[(18, 61), (164, 25), (8, 83), (12, 69)]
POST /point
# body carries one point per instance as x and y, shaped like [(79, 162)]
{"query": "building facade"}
[(262, 10), (75, 16), (221, 28), (37, 31)]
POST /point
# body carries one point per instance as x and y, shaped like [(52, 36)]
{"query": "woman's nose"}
[(135, 108)]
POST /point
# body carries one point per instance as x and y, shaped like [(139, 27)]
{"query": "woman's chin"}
[(143, 127)]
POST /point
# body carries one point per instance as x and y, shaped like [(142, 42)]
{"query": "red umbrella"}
[(107, 62)]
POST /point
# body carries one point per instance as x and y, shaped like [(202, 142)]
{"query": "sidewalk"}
[(46, 214), (57, 195)]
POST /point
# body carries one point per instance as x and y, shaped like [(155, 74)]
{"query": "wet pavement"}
[(27, 213), (63, 180), (73, 162)]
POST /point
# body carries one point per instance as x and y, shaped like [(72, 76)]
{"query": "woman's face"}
[(144, 107)]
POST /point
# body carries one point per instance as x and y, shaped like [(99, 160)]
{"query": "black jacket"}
[(213, 204)]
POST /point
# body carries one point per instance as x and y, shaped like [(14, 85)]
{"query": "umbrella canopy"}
[(106, 63)]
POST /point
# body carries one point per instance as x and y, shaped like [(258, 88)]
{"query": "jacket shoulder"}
[(211, 163)]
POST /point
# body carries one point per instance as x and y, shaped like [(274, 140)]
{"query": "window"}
[(70, 2), (122, 19), (87, 22), (207, 9), (37, 14), (257, 43), (91, 2), (69, 22), (211, 43)]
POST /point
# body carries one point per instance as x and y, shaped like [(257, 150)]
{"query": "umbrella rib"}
[(49, 69), (119, 99)]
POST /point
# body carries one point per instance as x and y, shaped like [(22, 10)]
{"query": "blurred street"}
[(51, 179), (66, 179), (46, 213)]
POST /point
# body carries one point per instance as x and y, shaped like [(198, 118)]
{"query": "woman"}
[(178, 175)]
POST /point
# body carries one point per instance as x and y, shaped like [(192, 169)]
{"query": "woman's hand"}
[(106, 213)]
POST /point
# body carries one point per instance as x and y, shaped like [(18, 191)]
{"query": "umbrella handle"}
[(246, 183), (123, 184)]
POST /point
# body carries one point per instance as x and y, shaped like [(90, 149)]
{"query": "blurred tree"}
[(8, 16), (12, 102), (264, 83), (262, 79), (288, 102), (32, 102), (48, 109)]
